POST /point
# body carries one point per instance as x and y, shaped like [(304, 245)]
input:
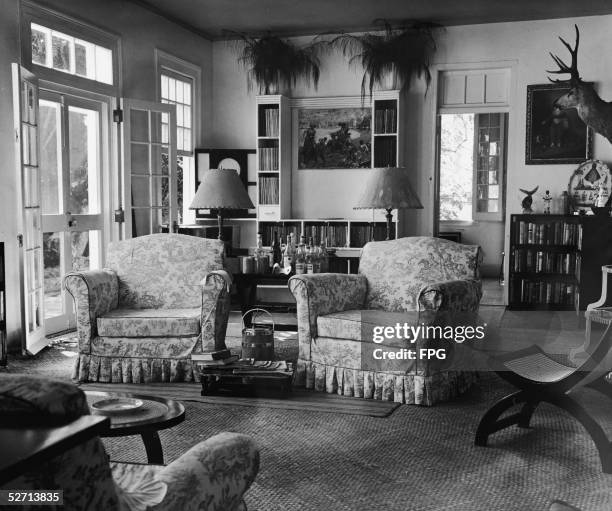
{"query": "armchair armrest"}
[(32, 400), (451, 295), (94, 292), (323, 293), (216, 287), (213, 475)]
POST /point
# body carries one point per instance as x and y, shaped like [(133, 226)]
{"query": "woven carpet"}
[(417, 459), (298, 399)]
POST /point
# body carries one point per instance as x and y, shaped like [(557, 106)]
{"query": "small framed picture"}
[(554, 135)]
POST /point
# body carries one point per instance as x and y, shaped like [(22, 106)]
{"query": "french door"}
[(149, 167), (26, 115), (71, 197)]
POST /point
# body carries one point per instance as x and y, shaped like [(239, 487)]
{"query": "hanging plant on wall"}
[(402, 53), (273, 63)]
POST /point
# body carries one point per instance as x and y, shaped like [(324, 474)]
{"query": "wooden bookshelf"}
[(555, 260)]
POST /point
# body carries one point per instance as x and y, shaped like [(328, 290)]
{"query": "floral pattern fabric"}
[(336, 313), (320, 294), (149, 323), (212, 476), (38, 400), (163, 270), (397, 270), (132, 321), (94, 292)]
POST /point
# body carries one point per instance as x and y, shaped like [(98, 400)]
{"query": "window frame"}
[(173, 66), (51, 19)]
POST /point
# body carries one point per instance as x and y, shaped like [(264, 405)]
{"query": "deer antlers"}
[(563, 67)]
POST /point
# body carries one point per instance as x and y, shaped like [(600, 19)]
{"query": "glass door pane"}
[(150, 167), (72, 219), (25, 88)]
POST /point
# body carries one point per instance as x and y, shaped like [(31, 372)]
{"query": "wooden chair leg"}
[(491, 422), (526, 413)]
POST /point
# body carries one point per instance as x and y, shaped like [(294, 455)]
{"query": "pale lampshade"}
[(221, 189), (388, 188)]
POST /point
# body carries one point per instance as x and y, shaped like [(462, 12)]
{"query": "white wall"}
[(525, 44), (528, 44), (141, 32)]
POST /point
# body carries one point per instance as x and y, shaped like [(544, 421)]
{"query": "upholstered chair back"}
[(397, 270), (163, 271)]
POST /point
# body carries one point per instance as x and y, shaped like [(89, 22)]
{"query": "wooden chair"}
[(595, 312), (540, 379)]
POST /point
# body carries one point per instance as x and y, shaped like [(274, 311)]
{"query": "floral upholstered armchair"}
[(160, 298), (211, 476), (408, 280)]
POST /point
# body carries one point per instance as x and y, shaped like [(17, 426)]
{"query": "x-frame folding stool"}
[(540, 379)]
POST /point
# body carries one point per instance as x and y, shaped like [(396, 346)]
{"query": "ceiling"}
[(210, 18)]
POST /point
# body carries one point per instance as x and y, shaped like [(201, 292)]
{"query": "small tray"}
[(116, 406)]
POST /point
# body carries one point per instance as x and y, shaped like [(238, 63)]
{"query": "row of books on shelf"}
[(335, 235), (268, 190), (270, 122), (385, 152), (268, 158), (362, 234), (546, 262), (385, 120), (530, 292), (549, 233)]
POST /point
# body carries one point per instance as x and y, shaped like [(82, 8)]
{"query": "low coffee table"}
[(156, 413)]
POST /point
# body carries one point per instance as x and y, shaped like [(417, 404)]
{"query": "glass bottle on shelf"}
[(277, 257), (310, 257), (288, 255), (300, 258), (323, 258)]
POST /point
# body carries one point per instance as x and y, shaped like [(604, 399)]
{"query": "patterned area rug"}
[(418, 459)]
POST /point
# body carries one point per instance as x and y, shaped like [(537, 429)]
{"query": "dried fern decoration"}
[(406, 50), (272, 62)]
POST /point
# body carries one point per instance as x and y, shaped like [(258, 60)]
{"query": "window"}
[(179, 83), (179, 92), (472, 162), (62, 52)]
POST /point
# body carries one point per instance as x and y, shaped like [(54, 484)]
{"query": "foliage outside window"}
[(62, 52), (472, 162), (456, 166)]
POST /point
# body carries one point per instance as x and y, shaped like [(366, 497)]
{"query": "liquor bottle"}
[(277, 256), (310, 257), (300, 258), (288, 255), (323, 257), (318, 256)]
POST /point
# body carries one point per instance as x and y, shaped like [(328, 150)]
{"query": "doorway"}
[(71, 197), (471, 182)]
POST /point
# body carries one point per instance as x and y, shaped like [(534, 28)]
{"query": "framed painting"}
[(334, 138), (554, 135), (240, 160)]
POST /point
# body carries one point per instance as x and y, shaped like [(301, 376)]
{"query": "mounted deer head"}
[(594, 112)]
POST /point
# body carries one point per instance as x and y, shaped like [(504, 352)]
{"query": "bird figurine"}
[(528, 200)]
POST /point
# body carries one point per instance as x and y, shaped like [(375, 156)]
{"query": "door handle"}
[(70, 220)]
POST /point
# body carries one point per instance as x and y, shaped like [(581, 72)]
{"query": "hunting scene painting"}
[(554, 135), (334, 138)]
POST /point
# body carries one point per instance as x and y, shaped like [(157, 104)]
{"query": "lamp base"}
[(389, 217)]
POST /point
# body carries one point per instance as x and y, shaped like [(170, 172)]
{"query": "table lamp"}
[(221, 189), (388, 188)]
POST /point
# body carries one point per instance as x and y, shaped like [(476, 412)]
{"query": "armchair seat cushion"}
[(149, 323), (358, 324)]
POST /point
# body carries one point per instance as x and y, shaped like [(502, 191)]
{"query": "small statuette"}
[(528, 201), (547, 197)]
